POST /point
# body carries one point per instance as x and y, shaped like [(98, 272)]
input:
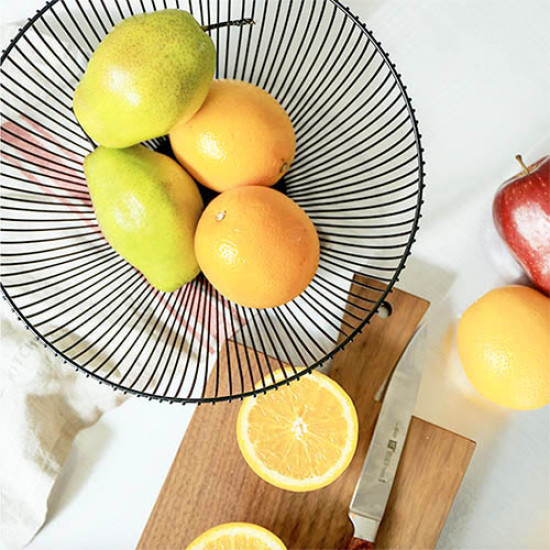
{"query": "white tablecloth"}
[(478, 75)]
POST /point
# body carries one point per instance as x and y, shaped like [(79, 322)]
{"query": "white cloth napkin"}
[(43, 405)]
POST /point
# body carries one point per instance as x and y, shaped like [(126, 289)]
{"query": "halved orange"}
[(237, 536), (300, 437)]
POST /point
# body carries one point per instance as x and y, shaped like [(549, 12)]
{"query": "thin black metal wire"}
[(358, 173)]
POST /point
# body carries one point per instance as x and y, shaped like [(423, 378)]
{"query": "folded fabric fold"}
[(43, 405)]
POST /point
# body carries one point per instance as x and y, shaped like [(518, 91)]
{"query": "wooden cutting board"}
[(209, 482)]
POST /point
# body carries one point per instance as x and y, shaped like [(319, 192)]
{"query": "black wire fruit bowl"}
[(358, 174)]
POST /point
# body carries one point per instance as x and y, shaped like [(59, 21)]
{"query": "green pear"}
[(147, 207), (150, 71)]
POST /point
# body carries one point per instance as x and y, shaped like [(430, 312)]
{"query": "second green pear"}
[(147, 207), (149, 72)]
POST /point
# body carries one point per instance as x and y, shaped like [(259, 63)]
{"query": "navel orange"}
[(504, 345), (240, 136), (257, 246)]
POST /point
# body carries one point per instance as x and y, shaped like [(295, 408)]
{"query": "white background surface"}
[(479, 76)]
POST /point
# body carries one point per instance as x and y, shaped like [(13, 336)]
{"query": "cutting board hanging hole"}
[(384, 310)]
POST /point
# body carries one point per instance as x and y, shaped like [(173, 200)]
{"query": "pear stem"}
[(522, 164), (237, 23)]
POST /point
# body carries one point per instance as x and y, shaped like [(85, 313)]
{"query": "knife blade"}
[(374, 486)]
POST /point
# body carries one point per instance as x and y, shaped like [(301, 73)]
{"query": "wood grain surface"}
[(209, 482)]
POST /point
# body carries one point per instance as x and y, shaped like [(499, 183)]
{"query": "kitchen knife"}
[(374, 486)]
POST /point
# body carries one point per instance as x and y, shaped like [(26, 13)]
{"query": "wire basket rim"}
[(340, 346)]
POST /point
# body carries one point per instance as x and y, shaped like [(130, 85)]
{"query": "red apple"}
[(521, 210)]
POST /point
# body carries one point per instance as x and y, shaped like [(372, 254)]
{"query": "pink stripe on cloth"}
[(212, 311)]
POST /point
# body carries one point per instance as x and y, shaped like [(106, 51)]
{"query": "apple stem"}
[(238, 23), (522, 164)]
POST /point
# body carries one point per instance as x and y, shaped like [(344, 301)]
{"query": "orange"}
[(257, 246), (237, 536), (240, 136), (504, 345), (300, 437)]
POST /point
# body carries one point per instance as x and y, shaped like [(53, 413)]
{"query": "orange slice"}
[(237, 536), (300, 437)]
